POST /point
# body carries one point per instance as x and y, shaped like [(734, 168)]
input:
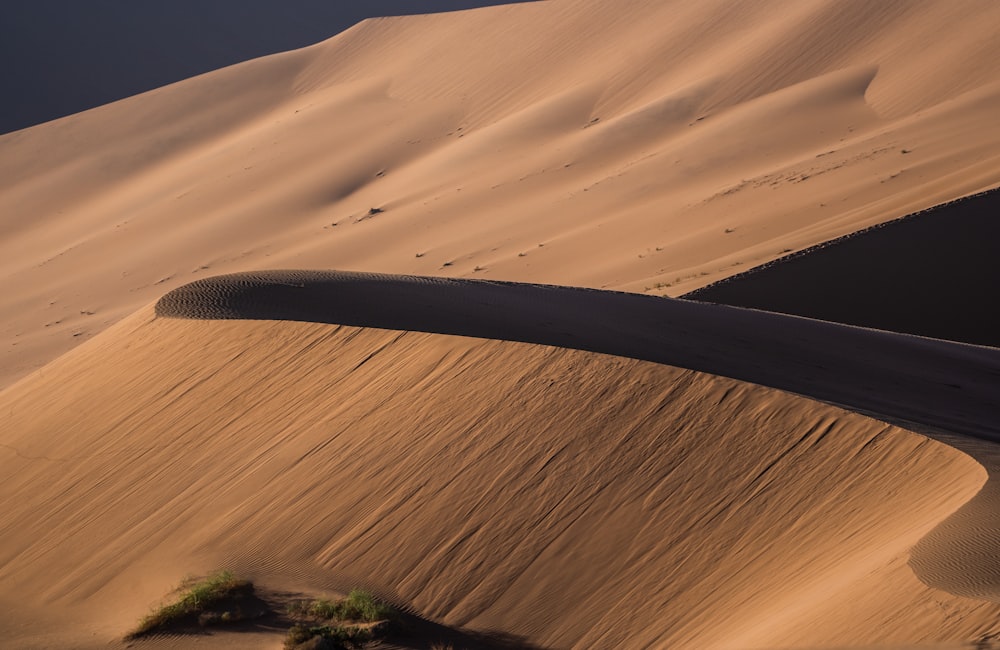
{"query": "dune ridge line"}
[(948, 391), (942, 389), (926, 385), (992, 193)]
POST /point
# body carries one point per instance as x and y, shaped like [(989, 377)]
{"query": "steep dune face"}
[(650, 146), (556, 494), (935, 387), (568, 498), (926, 274)]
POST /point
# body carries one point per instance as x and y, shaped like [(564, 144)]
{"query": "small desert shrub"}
[(338, 624), (358, 606), (196, 603), (362, 606), (324, 609), (328, 637)]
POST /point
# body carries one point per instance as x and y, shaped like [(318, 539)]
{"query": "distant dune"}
[(926, 274), (64, 56), (658, 168), (494, 416)]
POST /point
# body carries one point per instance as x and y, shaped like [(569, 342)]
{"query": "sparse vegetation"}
[(328, 637), (338, 624), (358, 606), (213, 600)]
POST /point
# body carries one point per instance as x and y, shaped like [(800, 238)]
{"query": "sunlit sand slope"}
[(293, 451), (568, 498), (650, 146), (523, 463), (928, 385), (71, 56)]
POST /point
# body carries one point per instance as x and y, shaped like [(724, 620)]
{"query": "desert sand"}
[(924, 274), (72, 56), (475, 393)]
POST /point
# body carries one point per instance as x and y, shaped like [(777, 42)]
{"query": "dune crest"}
[(647, 146), (928, 385), (495, 417), (666, 507)]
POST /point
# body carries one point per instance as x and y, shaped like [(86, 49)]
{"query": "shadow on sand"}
[(930, 273), (948, 391)]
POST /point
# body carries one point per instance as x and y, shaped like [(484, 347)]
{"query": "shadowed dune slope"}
[(568, 498), (946, 390), (651, 146), (524, 459), (928, 385), (932, 274)]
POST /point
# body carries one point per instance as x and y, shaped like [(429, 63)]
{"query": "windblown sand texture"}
[(548, 466)]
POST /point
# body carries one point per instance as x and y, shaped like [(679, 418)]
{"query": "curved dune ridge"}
[(526, 459), (942, 389), (552, 496), (656, 146), (924, 384)]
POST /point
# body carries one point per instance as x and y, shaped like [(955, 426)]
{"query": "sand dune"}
[(926, 274), (318, 456), (923, 384), (655, 147), (72, 57), (556, 466)]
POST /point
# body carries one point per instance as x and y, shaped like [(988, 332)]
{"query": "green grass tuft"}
[(195, 603), (338, 624), (359, 606), (332, 637)]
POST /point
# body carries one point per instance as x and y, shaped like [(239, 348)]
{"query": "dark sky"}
[(64, 56)]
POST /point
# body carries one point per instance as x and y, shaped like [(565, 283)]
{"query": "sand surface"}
[(924, 274), (490, 416), (655, 147), (665, 507), (66, 56)]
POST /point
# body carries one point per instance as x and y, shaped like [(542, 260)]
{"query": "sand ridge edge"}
[(928, 385), (945, 390)]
